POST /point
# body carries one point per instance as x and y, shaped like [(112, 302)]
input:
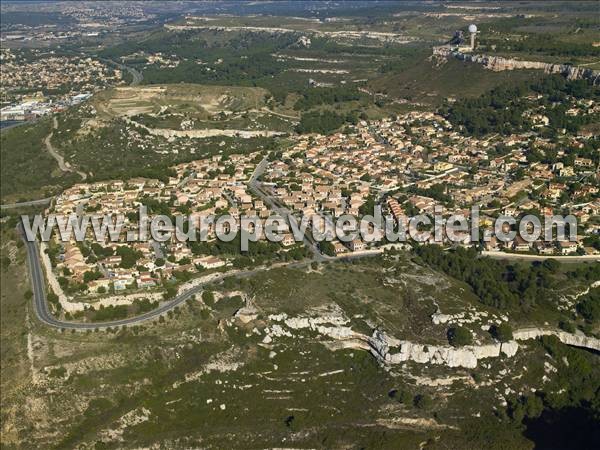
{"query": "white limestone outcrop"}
[(575, 340), (499, 63), (466, 356), (390, 350), (204, 133)]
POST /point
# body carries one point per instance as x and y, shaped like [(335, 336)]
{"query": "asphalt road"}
[(280, 209), (45, 316), (42, 201), (136, 76), (43, 313)]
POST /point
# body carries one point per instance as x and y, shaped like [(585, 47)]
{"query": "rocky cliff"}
[(499, 63), (466, 356), (389, 350), (383, 346), (575, 340)]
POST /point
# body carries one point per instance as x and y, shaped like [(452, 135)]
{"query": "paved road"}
[(137, 76), (258, 170), (42, 201), (65, 167), (44, 315), (18, 124), (433, 177), (528, 257), (281, 210)]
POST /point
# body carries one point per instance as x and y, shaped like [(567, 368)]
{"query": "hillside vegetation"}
[(27, 170)]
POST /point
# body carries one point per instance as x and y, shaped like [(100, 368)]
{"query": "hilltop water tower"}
[(473, 32)]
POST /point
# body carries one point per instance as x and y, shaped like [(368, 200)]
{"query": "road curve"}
[(136, 76), (65, 167), (44, 315)]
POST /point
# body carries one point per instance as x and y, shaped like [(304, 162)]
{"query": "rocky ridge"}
[(499, 63), (390, 351)]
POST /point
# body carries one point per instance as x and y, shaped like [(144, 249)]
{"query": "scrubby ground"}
[(229, 372)]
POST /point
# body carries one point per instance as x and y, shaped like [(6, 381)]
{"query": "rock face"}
[(389, 350), (203, 133), (247, 314), (575, 340), (498, 63), (382, 346), (466, 357)]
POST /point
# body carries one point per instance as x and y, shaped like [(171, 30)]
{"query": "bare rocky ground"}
[(285, 359)]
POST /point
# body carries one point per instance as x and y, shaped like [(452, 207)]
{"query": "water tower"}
[(473, 32)]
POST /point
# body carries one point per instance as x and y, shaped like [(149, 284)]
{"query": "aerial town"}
[(407, 164), (36, 83), (113, 267), (300, 224)]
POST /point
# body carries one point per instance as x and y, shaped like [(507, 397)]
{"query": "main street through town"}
[(281, 210)]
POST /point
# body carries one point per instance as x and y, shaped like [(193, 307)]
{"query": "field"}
[(201, 102)]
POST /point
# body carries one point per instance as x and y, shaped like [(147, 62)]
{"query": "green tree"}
[(128, 256), (170, 292), (405, 397), (589, 306), (327, 248), (423, 401), (502, 332), (459, 336), (91, 276), (208, 298)]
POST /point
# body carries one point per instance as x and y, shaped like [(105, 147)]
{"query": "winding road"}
[(43, 313), (65, 167), (38, 283), (136, 76)]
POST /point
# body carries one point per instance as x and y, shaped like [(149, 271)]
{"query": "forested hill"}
[(503, 109)]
